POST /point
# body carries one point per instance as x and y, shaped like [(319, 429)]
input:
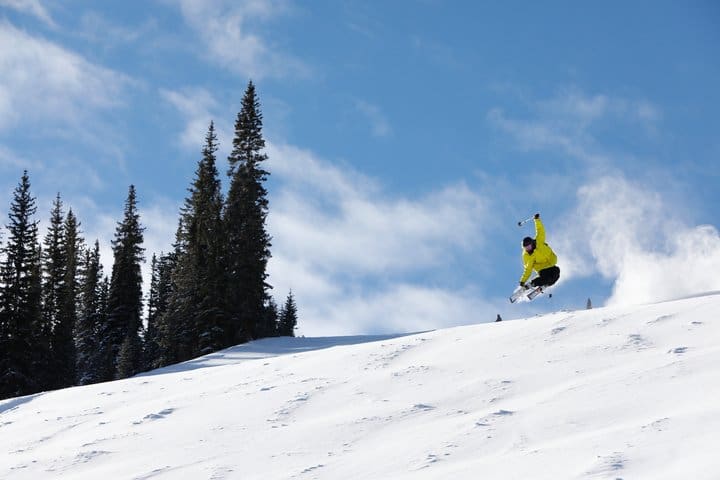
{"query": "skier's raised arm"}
[(539, 230)]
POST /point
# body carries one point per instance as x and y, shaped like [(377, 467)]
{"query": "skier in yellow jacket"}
[(537, 255)]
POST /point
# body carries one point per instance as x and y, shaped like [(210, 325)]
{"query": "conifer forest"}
[(64, 321)]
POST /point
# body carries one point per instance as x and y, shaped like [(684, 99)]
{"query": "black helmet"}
[(529, 244)]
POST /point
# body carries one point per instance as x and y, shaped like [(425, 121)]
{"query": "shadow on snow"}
[(269, 347)]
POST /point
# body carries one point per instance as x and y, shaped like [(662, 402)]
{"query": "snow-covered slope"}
[(630, 392)]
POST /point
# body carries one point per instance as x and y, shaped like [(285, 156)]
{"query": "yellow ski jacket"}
[(541, 258)]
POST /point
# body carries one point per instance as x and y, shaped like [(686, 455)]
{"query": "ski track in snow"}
[(622, 392)]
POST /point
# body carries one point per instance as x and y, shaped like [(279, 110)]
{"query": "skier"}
[(537, 255)]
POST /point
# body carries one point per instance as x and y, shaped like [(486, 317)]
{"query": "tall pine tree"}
[(53, 264), (21, 335), (91, 319), (199, 272), (53, 278), (151, 347), (124, 323), (63, 339), (247, 241), (60, 262)]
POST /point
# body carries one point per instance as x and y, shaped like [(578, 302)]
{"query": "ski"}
[(526, 294), (534, 293)]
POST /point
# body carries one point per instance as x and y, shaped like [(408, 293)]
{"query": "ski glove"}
[(522, 284), (537, 215)]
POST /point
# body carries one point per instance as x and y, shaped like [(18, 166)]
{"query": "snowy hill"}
[(631, 392)]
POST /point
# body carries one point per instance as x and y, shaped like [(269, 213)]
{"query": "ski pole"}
[(523, 222)]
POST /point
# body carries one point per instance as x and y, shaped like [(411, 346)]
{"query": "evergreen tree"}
[(40, 340), (159, 342), (91, 319), (248, 243), (125, 296), (288, 317), (53, 265), (198, 298), (60, 262), (21, 335), (53, 278), (179, 333), (63, 343), (151, 347), (165, 323)]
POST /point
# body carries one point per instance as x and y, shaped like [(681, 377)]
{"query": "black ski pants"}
[(547, 277)]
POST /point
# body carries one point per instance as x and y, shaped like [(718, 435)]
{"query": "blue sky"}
[(405, 138)]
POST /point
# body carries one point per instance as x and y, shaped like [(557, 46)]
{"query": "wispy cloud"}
[(232, 37), (575, 107), (100, 30), (343, 217), (196, 105), (30, 7), (42, 81), (537, 135), (9, 160), (347, 248), (567, 122)]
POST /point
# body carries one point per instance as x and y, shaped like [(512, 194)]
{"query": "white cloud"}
[(196, 106), (575, 107), (630, 235), (545, 134), (31, 7), (353, 254), (343, 219), (566, 122), (398, 308), (10, 161), (578, 106), (229, 30), (42, 81)]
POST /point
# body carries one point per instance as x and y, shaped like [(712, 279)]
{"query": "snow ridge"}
[(623, 392)]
